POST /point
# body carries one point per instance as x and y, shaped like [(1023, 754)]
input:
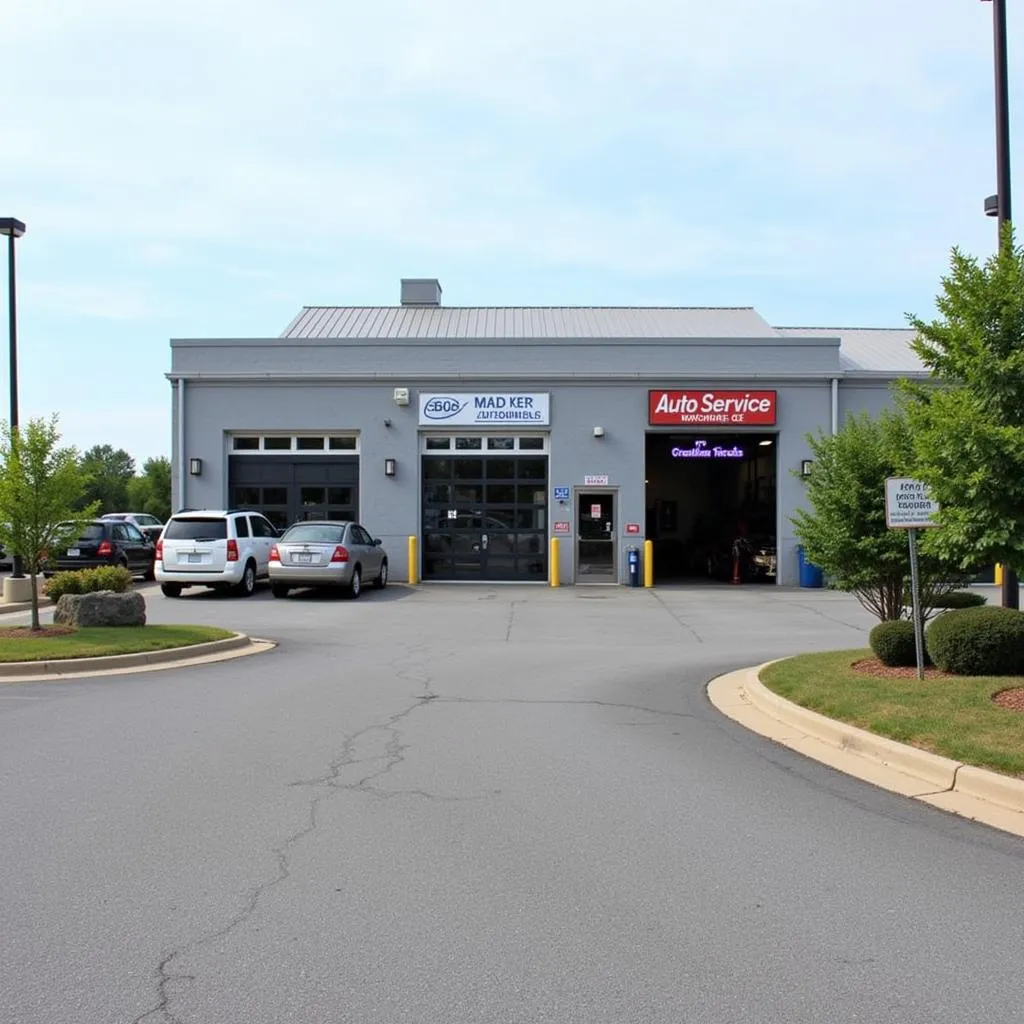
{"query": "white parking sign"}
[(908, 506)]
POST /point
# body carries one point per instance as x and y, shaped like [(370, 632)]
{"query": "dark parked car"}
[(106, 542)]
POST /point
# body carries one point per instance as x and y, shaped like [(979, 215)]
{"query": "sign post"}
[(909, 507)]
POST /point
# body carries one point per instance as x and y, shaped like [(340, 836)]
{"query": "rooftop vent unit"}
[(421, 291)]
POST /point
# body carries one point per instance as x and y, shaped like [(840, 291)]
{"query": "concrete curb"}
[(23, 606), (194, 654), (971, 792)]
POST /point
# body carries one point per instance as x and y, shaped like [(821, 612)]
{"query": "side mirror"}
[(377, 542)]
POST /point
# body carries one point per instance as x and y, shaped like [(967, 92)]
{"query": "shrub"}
[(85, 581), (893, 642), (978, 642), (959, 599)]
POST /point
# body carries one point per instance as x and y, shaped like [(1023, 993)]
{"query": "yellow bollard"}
[(553, 563), (999, 575), (648, 563), (413, 561)]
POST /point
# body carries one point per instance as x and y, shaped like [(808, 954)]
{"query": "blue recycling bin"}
[(810, 575)]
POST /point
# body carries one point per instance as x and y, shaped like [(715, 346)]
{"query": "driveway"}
[(470, 804)]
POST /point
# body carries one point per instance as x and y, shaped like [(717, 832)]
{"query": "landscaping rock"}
[(101, 608)]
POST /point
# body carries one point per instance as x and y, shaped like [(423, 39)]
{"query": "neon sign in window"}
[(701, 450)]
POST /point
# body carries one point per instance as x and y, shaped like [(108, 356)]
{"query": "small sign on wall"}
[(561, 494), (562, 527), (600, 480), (633, 529)]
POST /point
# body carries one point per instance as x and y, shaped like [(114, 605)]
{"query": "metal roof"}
[(526, 322), (869, 349)]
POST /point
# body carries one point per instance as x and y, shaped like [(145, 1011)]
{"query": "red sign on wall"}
[(700, 408)]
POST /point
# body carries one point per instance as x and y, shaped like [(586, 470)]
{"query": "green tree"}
[(151, 491), (843, 529), (968, 423), (108, 471), (41, 487)]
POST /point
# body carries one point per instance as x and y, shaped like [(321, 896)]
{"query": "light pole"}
[(998, 206), (13, 228)]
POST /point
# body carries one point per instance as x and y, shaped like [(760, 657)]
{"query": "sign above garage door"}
[(700, 408), (497, 409)]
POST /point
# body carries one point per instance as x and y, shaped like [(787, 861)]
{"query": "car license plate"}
[(304, 559), (194, 558), (73, 552)]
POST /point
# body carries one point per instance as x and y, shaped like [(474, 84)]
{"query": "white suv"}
[(225, 550)]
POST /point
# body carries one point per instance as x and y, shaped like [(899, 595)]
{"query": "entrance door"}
[(596, 548)]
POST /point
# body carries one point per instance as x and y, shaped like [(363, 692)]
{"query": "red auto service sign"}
[(701, 408)]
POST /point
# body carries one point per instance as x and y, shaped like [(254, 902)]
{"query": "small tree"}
[(968, 424), (843, 530), (40, 487)]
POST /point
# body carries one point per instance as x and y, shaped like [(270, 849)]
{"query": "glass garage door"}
[(484, 515)]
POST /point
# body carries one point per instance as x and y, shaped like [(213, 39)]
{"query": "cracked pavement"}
[(471, 804)]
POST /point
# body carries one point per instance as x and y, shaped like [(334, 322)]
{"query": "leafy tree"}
[(41, 487), (151, 492), (109, 472), (843, 528), (968, 423)]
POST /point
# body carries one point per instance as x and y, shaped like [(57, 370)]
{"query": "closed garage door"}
[(290, 488)]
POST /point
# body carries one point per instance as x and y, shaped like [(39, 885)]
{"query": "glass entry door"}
[(596, 554)]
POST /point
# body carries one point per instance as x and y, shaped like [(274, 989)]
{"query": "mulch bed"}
[(1012, 700), (25, 633), (873, 667)]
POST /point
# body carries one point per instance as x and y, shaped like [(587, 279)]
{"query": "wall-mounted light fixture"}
[(387, 422), (195, 467), (389, 467), (598, 431), (805, 467), (400, 396), (766, 443)]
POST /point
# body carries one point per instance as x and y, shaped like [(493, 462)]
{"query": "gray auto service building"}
[(485, 432)]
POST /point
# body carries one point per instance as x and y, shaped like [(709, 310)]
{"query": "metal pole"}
[(12, 310), (1011, 585), (915, 595)]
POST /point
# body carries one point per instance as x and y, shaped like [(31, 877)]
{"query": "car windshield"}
[(313, 534), (196, 529)]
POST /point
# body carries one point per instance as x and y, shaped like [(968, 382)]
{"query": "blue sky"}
[(204, 168)]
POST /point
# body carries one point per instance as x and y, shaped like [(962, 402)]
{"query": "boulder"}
[(101, 608)]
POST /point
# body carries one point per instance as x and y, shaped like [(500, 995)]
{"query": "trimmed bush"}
[(893, 643), (953, 599), (87, 581), (978, 642)]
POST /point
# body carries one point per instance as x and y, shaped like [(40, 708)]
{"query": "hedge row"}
[(966, 642)]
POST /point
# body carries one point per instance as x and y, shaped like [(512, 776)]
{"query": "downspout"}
[(835, 406), (182, 465)]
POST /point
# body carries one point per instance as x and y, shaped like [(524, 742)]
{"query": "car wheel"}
[(355, 587), (278, 591), (248, 584), (382, 578), (170, 589)]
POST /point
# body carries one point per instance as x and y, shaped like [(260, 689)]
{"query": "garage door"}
[(287, 488)]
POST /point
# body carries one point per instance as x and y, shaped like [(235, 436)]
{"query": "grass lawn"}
[(18, 645), (952, 716)]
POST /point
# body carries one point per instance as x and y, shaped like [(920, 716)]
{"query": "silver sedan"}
[(327, 553)]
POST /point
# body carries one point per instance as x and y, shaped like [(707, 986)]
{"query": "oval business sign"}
[(443, 407)]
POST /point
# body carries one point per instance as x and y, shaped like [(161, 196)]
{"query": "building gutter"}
[(182, 465), (835, 406)]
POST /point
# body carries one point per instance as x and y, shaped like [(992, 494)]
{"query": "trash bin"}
[(810, 575), (633, 566)]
